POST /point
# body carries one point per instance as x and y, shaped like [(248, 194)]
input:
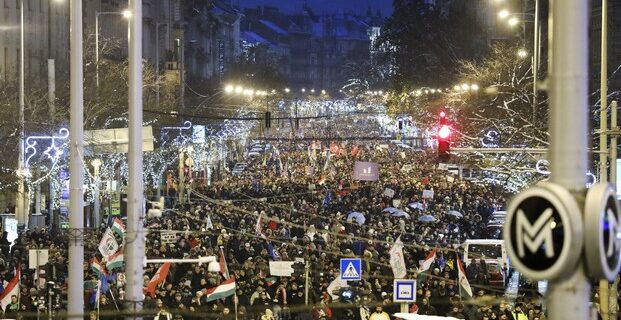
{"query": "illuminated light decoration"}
[(53, 152), (490, 139), (187, 125), (444, 132), (541, 167), (465, 86)]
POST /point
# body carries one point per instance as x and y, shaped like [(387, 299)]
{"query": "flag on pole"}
[(226, 289), (158, 278), (431, 257), (11, 289), (115, 261), (108, 245), (97, 267), (223, 268), (118, 227), (209, 224), (273, 253), (94, 299), (397, 261), (465, 291), (258, 228)]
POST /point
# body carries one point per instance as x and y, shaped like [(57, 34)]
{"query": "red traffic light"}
[(444, 132), (442, 114)]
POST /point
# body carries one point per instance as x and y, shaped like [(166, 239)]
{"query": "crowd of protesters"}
[(293, 202)]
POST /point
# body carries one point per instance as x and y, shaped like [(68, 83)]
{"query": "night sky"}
[(323, 6)]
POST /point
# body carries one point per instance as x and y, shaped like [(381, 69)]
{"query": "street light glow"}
[(303, 90), (522, 53), (456, 88), (465, 86), (239, 89), (126, 14), (229, 89), (287, 90), (504, 13), (323, 91), (513, 21), (474, 87), (312, 90)]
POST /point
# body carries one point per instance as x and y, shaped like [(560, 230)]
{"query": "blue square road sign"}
[(351, 269)]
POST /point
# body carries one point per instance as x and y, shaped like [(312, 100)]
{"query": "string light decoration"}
[(53, 152)]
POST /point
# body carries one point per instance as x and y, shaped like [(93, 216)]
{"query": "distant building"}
[(46, 36), (315, 47)]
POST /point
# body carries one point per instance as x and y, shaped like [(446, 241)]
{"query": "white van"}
[(488, 249)]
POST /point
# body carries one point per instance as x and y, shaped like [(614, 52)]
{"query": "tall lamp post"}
[(20, 203), (126, 14)]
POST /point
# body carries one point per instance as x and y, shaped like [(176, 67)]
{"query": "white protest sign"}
[(108, 245), (428, 194), (37, 257), (396, 203), (281, 268), (450, 179), (168, 237)]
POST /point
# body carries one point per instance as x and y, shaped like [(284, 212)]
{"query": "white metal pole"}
[(535, 58), (613, 143), (603, 136), (76, 168), (157, 66), (603, 125), (97, 49), (568, 298), (51, 89), (134, 249), (20, 210)]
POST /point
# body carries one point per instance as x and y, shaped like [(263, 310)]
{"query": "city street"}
[(310, 159)]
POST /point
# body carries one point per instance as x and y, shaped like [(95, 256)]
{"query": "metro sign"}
[(543, 232), (603, 232)]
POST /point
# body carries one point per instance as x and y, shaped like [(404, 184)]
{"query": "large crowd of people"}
[(295, 201)]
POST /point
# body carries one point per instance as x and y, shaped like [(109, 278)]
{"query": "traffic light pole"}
[(568, 298)]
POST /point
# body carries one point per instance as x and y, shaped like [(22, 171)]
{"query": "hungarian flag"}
[(465, 291), (158, 277), (224, 270), (226, 289), (431, 257), (115, 261), (97, 267), (118, 227), (11, 289)]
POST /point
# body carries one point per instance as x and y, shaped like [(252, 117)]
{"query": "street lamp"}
[(229, 89), (522, 53), (513, 21), (126, 15), (503, 14)]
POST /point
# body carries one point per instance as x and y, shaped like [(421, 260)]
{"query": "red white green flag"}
[(226, 289)]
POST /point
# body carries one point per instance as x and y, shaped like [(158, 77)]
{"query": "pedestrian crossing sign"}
[(351, 269)]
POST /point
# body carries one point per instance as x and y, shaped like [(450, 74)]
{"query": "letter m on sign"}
[(534, 235)]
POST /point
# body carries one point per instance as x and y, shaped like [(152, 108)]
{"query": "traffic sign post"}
[(351, 269), (602, 221), (404, 290), (542, 232)]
